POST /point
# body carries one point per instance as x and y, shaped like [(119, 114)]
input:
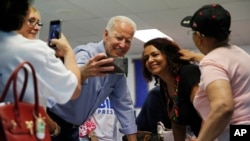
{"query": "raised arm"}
[(190, 55), (63, 49)]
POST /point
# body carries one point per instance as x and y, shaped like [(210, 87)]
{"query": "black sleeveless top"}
[(189, 75)]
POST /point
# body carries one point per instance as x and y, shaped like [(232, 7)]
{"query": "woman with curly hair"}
[(179, 81)]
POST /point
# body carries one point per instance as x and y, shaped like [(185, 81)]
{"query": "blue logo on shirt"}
[(105, 107)]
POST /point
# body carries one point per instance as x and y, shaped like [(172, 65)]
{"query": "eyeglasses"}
[(192, 32), (32, 23)]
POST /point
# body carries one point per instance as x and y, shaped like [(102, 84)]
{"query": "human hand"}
[(190, 55), (62, 45), (187, 54), (190, 138), (54, 128), (96, 66)]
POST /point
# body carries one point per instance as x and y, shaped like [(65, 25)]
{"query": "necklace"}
[(174, 112)]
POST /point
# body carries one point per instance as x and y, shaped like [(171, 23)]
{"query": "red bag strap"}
[(24, 85), (13, 79)]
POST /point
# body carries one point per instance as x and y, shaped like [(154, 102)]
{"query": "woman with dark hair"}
[(179, 80)]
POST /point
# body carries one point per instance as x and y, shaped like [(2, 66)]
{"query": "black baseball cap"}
[(210, 20)]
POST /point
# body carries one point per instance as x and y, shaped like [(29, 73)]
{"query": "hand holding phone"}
[(120, 64), (54, 31)]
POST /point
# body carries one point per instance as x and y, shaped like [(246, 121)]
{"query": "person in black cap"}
[(223, 97)]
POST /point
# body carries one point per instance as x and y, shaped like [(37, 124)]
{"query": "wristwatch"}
[(56, 131)]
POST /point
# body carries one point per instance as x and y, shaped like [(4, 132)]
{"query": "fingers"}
[(102, 63), (185, 51), (62, 45), (98, 65), (186, 54), (62, 36), (61, 42), (181, 51), (99, 56)]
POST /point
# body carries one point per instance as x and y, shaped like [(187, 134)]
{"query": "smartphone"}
[(54, 31), (120, 64)]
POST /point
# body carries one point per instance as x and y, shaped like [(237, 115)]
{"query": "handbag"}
[(22, 121)]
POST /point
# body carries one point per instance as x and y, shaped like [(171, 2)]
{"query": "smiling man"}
[(97, 84)]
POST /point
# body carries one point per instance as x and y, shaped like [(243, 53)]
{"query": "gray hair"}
[(112, 22)]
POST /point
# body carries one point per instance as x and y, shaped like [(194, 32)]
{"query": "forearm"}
[(210, 129), (221, 105), (84, 75), (190, 55), (197, 57), (70, 64), (54, 128)]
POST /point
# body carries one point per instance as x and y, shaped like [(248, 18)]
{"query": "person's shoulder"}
[(215, 56), (37, 49), (41, 42), (154, 90), (89, 47), (26, 44), (38, 44), (154, 93), (189, 71)]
